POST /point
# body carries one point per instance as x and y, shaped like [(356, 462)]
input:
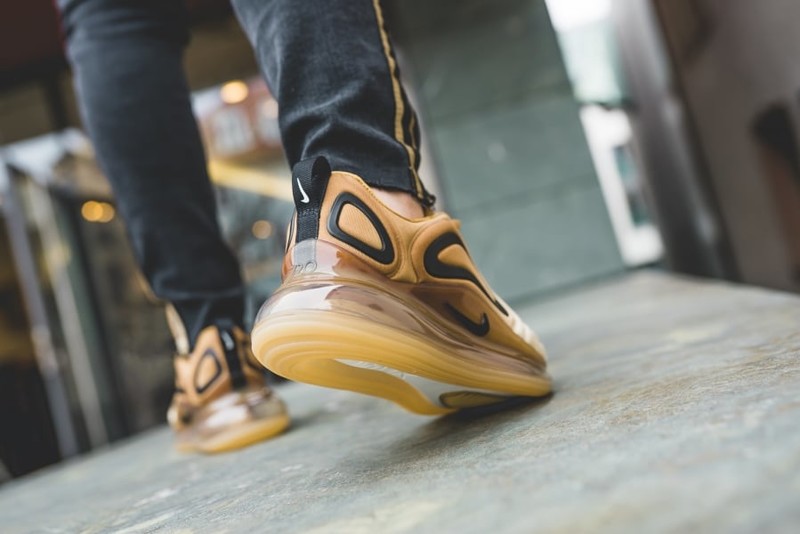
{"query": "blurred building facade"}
[(504, 130)]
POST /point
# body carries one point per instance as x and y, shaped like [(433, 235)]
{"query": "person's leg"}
[(127, 61), (331, 67), (134, 99), (375, 298)]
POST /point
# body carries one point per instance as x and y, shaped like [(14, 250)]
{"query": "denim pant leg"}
[(331, 67), (134, 99)]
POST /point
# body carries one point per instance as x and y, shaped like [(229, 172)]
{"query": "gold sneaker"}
[(221, 399), (380, 304)]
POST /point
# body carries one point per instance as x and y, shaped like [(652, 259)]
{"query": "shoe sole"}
[(425, 375), (238, 437)]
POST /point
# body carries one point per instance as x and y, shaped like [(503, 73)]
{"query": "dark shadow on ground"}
[(510, 406), (455, 434)]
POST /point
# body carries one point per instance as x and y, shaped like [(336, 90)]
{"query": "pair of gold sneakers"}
[(371, 302)]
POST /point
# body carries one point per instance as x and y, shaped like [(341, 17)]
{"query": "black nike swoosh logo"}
[(479, 329)]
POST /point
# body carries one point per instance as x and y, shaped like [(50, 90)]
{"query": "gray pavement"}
[(677, 410)]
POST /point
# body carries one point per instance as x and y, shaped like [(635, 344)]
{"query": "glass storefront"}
[(101, 328)]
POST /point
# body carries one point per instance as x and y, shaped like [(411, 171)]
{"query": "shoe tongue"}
[(309, 181)]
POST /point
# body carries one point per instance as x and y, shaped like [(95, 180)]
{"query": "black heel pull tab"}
[(232, 353), (309, 182)]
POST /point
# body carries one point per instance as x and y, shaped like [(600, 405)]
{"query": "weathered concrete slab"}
[(678, 409)]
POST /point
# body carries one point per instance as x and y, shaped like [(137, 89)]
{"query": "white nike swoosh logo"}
[(305, 199)]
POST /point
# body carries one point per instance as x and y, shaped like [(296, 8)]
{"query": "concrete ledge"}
[(678, 409)]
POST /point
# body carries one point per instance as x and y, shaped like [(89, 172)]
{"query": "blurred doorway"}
[(776, 142)]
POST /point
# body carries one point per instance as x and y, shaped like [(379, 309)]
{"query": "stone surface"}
[(472, 55), (548, 242), (524, 148), (676, 410)]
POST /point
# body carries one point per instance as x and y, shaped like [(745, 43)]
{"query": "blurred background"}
[(577, 139)]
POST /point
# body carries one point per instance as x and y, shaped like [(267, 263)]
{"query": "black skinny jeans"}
[(327, 62)]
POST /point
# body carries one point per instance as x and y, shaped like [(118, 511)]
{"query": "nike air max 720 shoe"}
[(392, 307), (221, 399)]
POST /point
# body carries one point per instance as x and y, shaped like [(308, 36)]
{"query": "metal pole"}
[(49, 367), (57, 260)]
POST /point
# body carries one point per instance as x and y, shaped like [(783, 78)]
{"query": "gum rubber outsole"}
[(308, 348), (239, 436)]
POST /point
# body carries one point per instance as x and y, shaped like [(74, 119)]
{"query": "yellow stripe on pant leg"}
[(398, 100), (412, 130)]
